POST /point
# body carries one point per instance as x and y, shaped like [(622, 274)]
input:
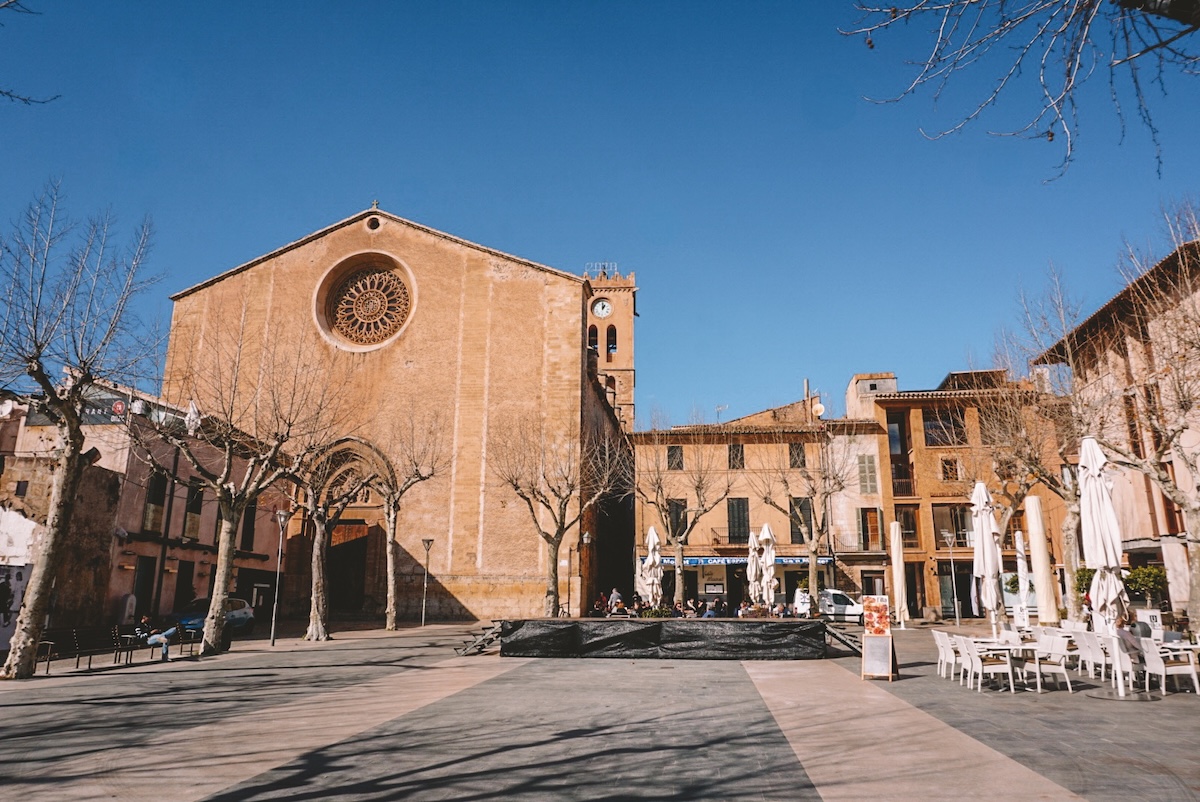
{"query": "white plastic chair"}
[(1052, 659), (947, 656), (1175, 664), (1092, 652), (984, 662)]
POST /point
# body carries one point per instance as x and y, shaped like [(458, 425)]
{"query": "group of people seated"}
[(614, 606)]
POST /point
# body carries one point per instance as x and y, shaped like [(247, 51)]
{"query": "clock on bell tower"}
[(610, 313)]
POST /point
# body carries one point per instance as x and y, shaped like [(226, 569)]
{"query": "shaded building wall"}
[(86, 553)]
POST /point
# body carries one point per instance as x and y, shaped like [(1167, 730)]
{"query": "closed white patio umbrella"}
[(652, 569), (766, 542), (899, 588), (1101, 535), (1021, 614), (753, 569), (986, 565)]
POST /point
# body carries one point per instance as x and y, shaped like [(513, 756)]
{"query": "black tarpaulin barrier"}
[(665, 638)]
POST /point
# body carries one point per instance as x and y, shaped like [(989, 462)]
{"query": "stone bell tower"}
[(611, 311)]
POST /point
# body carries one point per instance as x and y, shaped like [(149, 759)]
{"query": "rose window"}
[(369, 306)]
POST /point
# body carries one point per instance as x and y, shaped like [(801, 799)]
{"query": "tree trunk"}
[(214, 622), (389, 512), (552, 577), (318, 613), (64, 485), (1070, 541), (1191, 517)]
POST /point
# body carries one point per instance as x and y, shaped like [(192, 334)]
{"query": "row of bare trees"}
[(1128, 375), (249, 417)]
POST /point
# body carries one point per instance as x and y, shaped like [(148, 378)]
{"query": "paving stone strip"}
[(857, 741), (199, 761)]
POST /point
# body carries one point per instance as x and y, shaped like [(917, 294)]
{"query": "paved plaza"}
[(378, 715)]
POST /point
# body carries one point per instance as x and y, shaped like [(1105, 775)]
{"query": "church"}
[(417, 322)]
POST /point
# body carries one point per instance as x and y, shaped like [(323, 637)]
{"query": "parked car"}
[(837, 606), (239, 615)]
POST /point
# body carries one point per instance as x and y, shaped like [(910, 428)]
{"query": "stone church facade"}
[(423, 321)]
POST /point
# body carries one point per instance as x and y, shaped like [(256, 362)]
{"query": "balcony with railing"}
[(903, 484)]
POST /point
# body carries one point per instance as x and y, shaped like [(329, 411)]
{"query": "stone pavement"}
[(377, 715)]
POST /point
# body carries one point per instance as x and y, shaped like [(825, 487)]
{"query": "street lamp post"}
[(949, 538), (428, 544), (282, 517)]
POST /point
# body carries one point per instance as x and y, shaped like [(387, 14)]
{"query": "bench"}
[(185, 638), (80, 642)]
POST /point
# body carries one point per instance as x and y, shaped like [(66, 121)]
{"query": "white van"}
[(837, 606)]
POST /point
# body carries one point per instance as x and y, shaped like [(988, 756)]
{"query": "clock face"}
[(602, 308)]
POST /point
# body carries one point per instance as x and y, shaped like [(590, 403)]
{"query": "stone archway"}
[(343, 532)]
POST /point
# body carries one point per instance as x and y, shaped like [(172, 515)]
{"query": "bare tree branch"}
[(1056, 45)]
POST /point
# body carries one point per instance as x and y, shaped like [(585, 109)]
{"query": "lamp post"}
[(585, 540), (282, 517), (949, 538), (428, 544)]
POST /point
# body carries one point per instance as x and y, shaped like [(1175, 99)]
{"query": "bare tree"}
[(1048, 48), (559, 476), (67, 323), (258, 412), (783, 475), (1151, 412), (681, 477), (416, 454), (1047, 339), (333, 480)]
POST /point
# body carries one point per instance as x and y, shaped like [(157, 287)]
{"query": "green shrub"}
[(1083, 579), (1147, 580)]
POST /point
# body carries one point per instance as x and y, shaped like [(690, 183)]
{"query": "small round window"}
[(368, 305)]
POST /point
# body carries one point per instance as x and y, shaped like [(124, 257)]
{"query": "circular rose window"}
[(368, 306)]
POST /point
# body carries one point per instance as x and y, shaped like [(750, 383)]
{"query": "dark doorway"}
[(613, 541), (872, 583), (914, 587), (691, 584), (184, 592), (668, 585), (143, 585), (257, 587), (735, 586), (347, 570), (960, 582)]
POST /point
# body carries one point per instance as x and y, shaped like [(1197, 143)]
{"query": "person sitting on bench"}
[(151, 636)]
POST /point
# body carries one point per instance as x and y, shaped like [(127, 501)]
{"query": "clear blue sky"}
[(780, 226)]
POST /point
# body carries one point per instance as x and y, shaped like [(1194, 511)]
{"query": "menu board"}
[(876, 620), (878, 653), (879, 657)]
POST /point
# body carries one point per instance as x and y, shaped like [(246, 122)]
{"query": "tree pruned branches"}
[(1057, 45)]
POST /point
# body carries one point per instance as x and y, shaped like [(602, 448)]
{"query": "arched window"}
[(593, 339), (612, 342)]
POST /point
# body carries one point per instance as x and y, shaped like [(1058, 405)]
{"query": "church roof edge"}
[(352, 219)]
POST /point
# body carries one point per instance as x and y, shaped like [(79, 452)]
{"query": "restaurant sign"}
[(740, 560)]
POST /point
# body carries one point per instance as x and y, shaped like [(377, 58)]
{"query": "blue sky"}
[(780, 226)]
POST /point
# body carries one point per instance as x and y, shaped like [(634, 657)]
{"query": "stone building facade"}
[(765, 455), (418, 321), (931, 452)]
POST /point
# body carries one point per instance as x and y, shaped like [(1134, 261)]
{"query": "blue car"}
[(239, 615)]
